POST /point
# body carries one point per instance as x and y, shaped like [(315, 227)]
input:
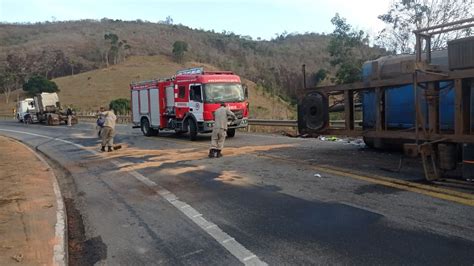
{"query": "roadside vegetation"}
[(55, 50)]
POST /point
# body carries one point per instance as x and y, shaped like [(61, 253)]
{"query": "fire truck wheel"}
[(231, 132), (192, 129), (146, 129)]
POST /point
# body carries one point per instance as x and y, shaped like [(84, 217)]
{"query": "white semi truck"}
[(46, 109)]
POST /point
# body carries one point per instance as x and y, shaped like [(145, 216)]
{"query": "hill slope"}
[(61, 48), (90, 90)]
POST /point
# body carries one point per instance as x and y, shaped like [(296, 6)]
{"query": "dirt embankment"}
[(27, 207)]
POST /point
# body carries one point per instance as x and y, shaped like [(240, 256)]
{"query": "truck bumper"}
[(206, 126)]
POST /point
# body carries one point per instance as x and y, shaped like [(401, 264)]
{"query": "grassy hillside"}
[(61, 48), (90, 90)]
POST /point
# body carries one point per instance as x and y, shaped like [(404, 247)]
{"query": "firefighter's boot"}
[(212, 153), (218, 154), (110, 149), (103, 149)]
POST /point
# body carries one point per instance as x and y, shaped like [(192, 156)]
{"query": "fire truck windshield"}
[(223, 92)]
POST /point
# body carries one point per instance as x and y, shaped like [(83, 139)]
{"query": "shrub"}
[(120, 106)]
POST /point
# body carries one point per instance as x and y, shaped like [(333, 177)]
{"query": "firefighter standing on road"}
[(219, 130), (108, 130)]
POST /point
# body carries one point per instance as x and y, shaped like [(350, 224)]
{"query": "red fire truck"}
[(186, 102)]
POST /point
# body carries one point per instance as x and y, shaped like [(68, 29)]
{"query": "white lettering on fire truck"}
[(222, 80), (181, 104)]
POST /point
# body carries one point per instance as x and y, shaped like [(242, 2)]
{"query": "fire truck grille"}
[(239, 113)]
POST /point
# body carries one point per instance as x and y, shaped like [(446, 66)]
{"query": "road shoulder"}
[(31, 209)]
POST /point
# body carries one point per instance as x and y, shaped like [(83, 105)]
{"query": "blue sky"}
[(258, 18)]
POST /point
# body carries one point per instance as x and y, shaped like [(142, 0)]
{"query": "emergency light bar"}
[(190, 71)]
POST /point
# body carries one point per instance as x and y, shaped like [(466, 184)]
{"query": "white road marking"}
[(227, 240), (235, 248), (249, 258)]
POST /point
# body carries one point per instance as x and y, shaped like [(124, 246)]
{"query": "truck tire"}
[(192, 129), (27, 119), (231, 132), (146, 129), (375, 143), (50, 121)]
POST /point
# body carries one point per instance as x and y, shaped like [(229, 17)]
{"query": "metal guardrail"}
[(273, 123), (124, 119), (294, 123), (121, 119)]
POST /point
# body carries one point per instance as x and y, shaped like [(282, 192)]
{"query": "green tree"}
[(120, 106), (116, 49), (344, 48), (38, 84), (405, 16), (179, 48), (319, 76), (7, 84), (168, 20)]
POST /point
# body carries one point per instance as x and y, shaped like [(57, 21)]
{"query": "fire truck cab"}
[(187, 101)]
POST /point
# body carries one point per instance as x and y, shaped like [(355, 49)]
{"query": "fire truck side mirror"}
[(246, 91)]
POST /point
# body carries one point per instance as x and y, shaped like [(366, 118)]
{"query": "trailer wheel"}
[(146, 129), (192, 129), (50, 120), (27, 119), (231, 132)]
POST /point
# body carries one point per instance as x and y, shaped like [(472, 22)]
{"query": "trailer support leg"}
[(349, 110), (429, 160)]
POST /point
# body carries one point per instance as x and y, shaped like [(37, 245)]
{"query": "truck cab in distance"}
[(46, 108), (23, 108)]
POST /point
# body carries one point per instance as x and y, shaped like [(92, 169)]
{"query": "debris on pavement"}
[(18, 257), (331, 138)]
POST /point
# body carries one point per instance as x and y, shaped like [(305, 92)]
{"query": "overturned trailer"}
[(423, 102)]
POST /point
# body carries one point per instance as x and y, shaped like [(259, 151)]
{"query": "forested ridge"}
[(55, 49)]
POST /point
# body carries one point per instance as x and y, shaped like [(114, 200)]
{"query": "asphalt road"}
[(160, 200)]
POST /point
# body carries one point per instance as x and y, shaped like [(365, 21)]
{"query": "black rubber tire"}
[(192, 129), (231, 132), (28, 120), (145, 127), (50, 121)]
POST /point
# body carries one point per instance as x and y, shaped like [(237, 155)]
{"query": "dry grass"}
[(6, 108), (88, 91)]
